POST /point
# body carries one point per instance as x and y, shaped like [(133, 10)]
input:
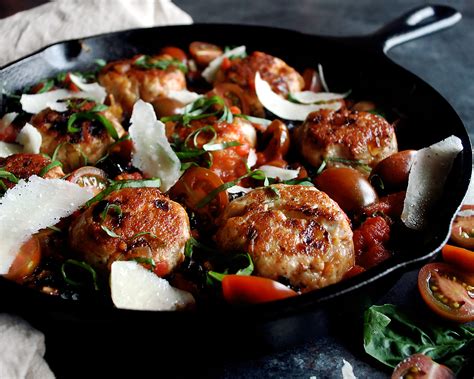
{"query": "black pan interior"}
[(424, 117)]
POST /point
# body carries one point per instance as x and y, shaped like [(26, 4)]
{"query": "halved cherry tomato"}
[(175, 52), (348, 187), (203, 53), (194, 186), (393, 170), (90, 177), (233, 95), (241, 289), (462, 258), (26, 261), (462, 233), (420, 366), (447, 291)]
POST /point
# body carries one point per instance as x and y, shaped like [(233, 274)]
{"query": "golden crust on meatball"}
[(86, 146), (346, 134), (282, 78), (24, 165), (128, 81), (138, 223), (293, 232)]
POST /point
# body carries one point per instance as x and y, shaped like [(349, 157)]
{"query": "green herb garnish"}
[(144, 234), (91, 116), (109, 232), (111, 206), (81, 265), (147, 261), (49, 167), (146, 62), (9, 176)]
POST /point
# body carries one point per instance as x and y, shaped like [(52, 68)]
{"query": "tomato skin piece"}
[(462, 258), (241, 289), (26, 261), (419, 366), (459, 291)]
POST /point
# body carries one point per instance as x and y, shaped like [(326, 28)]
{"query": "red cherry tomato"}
[(26, 261), (447, 291), (462, 233), (175, 52), (90, 177), (194, 186), (204, 53), (233, 95), (462, 258), (240, 289), (420, 366)]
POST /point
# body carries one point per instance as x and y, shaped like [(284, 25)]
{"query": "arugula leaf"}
[(391, 335)]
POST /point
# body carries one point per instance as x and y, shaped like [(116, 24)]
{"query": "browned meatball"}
[(86, 146), (25, 165), (229, 163), (293, 232), (282, 78), (129, 81), (347, 135), (143, 223)]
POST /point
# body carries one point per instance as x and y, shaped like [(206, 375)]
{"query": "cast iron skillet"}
[(357, 63)]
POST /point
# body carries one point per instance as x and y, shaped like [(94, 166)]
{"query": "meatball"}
[(132, 223), (347, 135), (129, 80), (229, 162), (87, 145), (25, 165), (282, 78), (295, 233)]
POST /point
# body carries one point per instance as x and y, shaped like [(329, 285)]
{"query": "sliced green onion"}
[(49, 167), (82, 265), (109, 232), (99, 108)]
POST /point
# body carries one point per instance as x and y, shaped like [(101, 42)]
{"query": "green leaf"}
[(146, 62), (47, 85), (49, 167), (100, 62), (9, 176), (255, 120), (391, 335), (109, 232), (115, 207), (250, 267), (82, 265), (91, 116), (144, 234), (147, 261)]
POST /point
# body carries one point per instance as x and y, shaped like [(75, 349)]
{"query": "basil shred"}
[(213, 276), (391, 335), (82, 266), (146, 62), (91, 116)]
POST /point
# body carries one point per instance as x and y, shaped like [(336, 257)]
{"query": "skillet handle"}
[(416, 23)]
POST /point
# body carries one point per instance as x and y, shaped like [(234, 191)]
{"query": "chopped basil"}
[(47, 85), (49, 167), (301, 182), (191, 243), (220, 146), (9, 176), (81, 265), (116, 185), (255, 120), (91, 116), (109, 232), (256, 174), (246, 271), (144, 234), (116, 208), (147, 261), (146, 62)]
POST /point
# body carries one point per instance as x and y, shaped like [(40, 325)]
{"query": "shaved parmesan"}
[(94, 90), (278, 172), (6, 120), (135, 287), (210, 71), (252, 158), (53, 99), (184, 96), (310, 97), (7, 149), (33, 205), (239, 189), (347, 371), (428, 174), (284, 108), (152, 152), (30, 138)]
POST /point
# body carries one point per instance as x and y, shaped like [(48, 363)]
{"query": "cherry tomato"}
[(233, 95), (26, 261), (241, 289), (312, 81), (447, 291), (462, 258), (165, 106), (277, 138), (203, 53), (175, 52), (348, 187), (90, 177), (462, 232), (420, 366), (194, 186), (393, 170)]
